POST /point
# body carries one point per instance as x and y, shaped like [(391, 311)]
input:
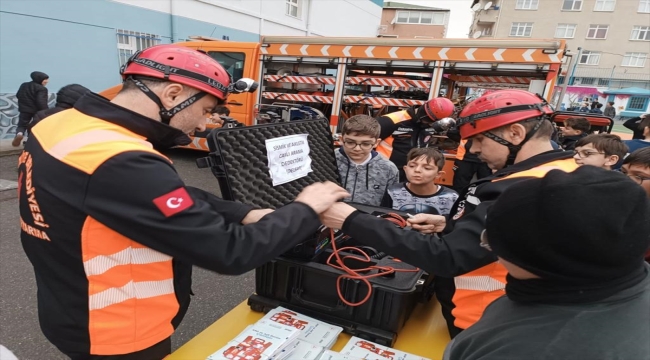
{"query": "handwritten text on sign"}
[(288, 158)]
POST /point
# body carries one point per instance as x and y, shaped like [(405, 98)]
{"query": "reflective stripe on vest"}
[(131, 297), (566, 165), (460, 152), (477, 289), (385, 147)]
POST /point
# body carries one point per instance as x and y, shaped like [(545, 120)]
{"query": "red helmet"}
[(500, 108), (438, 108), (180, 65)]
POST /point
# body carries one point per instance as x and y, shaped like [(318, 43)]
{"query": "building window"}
[(644, 6), (527, 4), (293, 8), (603, 82), (589, 58), (605, 5), (640, 33), (565, 31), (521, 29), (572, 5), (420, 17), (637, 103), (634, 59), (128, 42), (597, 31)]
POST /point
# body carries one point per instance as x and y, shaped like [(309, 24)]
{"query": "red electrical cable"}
[(355, 274)]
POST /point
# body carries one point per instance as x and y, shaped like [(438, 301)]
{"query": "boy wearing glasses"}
[(420, 193), (600, 150), (637, 167), (364, 173)]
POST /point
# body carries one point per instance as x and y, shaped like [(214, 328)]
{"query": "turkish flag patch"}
[(174, 202)]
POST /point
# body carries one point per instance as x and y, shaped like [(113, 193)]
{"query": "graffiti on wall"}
[(9, 114)]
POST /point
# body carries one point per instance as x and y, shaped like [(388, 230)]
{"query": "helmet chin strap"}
[(512, 148), (166, 114)]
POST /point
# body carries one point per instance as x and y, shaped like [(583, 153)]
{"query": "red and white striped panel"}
[(317, 80), (382, 101), (495, 79), (381, 81), (297, 97)]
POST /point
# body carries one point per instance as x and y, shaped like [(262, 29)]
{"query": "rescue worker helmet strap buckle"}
[(165, 114)]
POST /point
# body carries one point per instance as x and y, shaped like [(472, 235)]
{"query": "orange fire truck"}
[(303, 77)]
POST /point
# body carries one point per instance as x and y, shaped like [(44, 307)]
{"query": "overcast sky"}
[(461, 14)]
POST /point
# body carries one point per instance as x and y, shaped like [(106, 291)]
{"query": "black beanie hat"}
[(587, 226)]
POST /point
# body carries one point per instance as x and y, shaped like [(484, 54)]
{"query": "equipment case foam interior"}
[(238, 159)]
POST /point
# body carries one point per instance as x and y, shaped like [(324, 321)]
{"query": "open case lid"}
[(239, 160)]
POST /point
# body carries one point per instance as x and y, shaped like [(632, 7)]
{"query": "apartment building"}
[(611, 38), (399, 20)]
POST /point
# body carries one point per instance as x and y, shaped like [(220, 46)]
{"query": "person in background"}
[(217, 113), (633, 124), (575, 128), (577, 286), (597, 109), (466, 166), (644, 127), (600, 150), (364, 173), (404, 130), (32, 98), (584, 108), (65, 99), (610, 110), (420, 194)]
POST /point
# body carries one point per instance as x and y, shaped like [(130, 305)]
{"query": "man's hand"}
[(427, 223), (335, 216), (320, 196), (254, 216)]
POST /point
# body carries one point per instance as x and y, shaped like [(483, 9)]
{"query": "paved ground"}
[(19, 329)]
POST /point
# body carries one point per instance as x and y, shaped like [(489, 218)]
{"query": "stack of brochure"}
[(311, 330), (281, 335), (333, 355), (358, 348), (264, 340)]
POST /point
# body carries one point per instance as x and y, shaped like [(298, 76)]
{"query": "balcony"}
[(487, 16)]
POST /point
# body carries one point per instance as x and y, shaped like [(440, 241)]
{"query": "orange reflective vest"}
[(385, 147)]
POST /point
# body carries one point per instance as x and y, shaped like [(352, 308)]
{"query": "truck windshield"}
[(233, 62)]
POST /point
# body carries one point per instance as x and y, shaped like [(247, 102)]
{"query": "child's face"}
[(638, 172), (569, 131), (358, 147), (420, 172), (588, 155)]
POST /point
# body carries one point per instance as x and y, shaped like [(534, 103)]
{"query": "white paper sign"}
[(288, 158)]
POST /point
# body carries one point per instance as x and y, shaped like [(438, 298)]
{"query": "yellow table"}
[(424, 334)]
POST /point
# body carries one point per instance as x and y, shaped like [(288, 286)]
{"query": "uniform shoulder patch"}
[(173, 202)]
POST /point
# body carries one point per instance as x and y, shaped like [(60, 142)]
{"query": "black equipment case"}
[(300, 279)]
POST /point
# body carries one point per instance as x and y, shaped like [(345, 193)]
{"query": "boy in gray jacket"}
[(364, 173)]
